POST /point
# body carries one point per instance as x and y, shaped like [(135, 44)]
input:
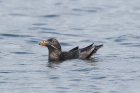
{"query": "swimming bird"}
[(56, 54)]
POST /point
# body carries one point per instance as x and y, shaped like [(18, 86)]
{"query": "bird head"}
[(51, 43)]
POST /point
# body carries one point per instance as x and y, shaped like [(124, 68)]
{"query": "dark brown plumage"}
[(55, 52)]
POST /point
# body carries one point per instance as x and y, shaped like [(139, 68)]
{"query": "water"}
[(24, 66)]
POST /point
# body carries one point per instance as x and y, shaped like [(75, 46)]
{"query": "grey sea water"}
[(24, 66)]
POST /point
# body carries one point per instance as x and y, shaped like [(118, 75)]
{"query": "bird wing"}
[(74, 49), (71, 54), (80, 53), (86, 48), (88, 51), (85, 52)]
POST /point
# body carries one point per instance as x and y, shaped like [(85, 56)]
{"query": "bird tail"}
[(96, 47)]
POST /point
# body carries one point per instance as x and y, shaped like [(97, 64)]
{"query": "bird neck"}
[(54, 54)]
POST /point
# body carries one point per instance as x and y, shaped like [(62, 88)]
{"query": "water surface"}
[(24, 66)]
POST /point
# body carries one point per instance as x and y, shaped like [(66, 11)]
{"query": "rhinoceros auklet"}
[(55, 52)]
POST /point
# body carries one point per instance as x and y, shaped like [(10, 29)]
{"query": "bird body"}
[(55, 52)]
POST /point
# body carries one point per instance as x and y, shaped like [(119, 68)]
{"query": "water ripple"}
[(47, 29), (16, 14), (119, 39), (62, 88), (81, 70), (50, 32), (2, 82), (86, 40), (126, 37), (51, 16), (57, 4), (88, 9), (77, 28), (54, 78), (5, 72), (76, 9), (14, 35), (22, 53), (33, 41), (131, 44), (76, 80), (127, 40), (56, 33), (34, 28), (71, 35), (65, 44), (100, 77), (39, 24)]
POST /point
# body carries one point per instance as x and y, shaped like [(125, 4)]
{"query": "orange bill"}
[(43, 43)]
